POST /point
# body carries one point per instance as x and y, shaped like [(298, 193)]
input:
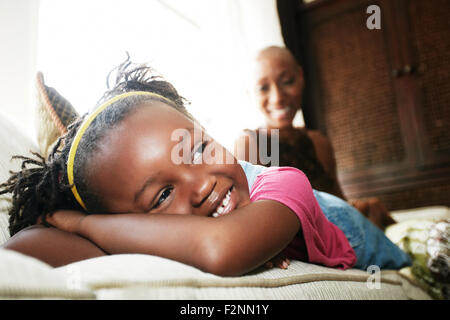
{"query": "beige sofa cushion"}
[(431, 213), (13, 143), (28, 278), (136, 276)]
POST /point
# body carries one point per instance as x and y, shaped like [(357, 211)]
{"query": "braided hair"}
[(41, 186)]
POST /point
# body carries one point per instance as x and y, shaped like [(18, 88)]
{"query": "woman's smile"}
[(281, 113)]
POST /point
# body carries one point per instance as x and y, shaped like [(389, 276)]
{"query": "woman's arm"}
[(229, 245), (371, 208), (325, 154), (52, 246)]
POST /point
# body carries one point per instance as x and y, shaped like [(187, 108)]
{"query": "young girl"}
[(112, 186)]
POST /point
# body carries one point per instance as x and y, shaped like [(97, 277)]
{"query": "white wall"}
[(18, 45), (207, 63), (202, 46)]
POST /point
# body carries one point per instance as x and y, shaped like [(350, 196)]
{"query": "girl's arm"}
[(229, 245), (53, 246)]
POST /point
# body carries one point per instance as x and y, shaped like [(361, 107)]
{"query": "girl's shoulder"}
[(251, 171), (282, 182), (275, 177), (284, 176)]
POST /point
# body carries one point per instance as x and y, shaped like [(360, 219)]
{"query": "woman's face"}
[(138, 169), (279, 85)]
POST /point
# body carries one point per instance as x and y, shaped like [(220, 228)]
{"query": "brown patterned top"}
[(298, 151)]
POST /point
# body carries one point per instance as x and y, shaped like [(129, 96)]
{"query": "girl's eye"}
[(199, 151), (164, 195)]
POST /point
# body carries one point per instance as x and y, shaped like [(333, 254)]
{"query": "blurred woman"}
[(278, 87)]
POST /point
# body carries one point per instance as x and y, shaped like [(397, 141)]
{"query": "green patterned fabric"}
[(427, 242)]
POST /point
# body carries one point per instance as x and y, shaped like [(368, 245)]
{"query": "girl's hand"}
[(279, 261), (66, 220)]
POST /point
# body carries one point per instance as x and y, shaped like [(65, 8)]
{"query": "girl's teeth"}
[(222, 206)]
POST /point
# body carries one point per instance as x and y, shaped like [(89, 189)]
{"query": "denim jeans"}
[(370, 244)]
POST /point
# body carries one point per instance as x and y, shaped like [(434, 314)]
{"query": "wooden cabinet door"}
[(428, 57), (382, 96)]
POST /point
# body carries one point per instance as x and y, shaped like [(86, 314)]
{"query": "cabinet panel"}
[(430, 41), (358, 99), (390, 130)]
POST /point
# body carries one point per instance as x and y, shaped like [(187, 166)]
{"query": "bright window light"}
[(197, 45)]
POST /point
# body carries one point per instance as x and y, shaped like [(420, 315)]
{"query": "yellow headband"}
[(83, 128)]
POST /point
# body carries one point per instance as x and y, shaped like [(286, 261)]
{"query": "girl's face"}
[(138, 169), (279, 85)]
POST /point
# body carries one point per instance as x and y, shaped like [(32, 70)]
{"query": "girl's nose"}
[(201, 189)]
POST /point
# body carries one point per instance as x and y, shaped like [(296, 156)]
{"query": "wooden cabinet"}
[(381, 95)]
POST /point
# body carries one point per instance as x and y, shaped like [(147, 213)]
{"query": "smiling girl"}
[(112, 186)]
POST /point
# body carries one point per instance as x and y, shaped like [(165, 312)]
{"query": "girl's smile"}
[(142, 176), (227, 204)]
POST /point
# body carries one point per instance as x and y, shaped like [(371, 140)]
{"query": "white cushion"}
[(433, 213), (28, 278), (14, 142), (136, 276)]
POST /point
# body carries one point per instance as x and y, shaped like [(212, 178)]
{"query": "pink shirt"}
[(325, 243)]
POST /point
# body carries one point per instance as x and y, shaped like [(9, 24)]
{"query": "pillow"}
[(23, 277), (14, 142), (427, 242), (138, 276), (53, 115)]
